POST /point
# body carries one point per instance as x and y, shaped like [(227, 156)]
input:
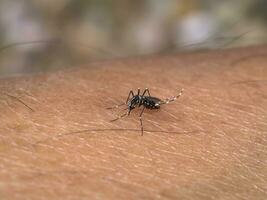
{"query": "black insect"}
[(148, 102)]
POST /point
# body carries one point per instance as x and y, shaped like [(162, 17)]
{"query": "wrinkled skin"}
[(208, 144)]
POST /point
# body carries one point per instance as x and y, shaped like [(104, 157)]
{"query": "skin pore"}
[(208, 144)]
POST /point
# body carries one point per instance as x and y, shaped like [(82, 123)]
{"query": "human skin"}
[(208, 144)]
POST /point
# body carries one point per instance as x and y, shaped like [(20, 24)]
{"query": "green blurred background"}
[(69, 33)]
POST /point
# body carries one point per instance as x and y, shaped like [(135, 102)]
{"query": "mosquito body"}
[(147, 101)]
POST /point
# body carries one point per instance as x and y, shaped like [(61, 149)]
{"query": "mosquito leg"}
[(130, 93), (166, 101), (146, 91), (138, 91), (141, 121), (123, 115)]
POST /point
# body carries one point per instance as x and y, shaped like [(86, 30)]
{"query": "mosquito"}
[(147, 101)]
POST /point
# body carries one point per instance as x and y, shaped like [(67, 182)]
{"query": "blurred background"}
[(42, 35)]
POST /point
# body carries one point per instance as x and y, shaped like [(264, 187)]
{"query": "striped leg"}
[(146, 90), (141, 121), (166, 101), (131, 93)]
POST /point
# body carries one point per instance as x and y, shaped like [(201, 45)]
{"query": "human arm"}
[(209, 144)]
